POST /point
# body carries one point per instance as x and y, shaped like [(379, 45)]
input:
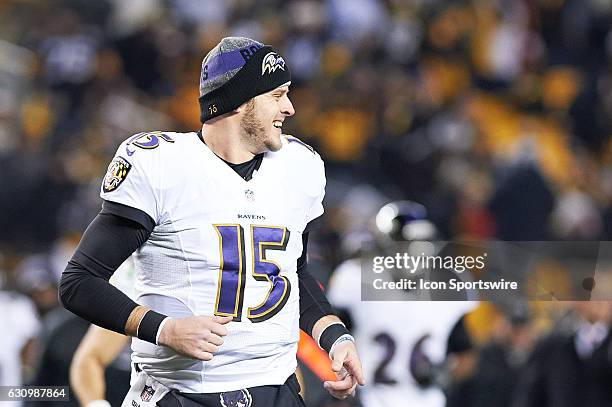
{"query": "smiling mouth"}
[(277, 124)]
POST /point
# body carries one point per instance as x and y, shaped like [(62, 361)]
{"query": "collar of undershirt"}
[(245, 169)]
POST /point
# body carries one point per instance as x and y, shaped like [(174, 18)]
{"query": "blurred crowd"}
[(495, 114)]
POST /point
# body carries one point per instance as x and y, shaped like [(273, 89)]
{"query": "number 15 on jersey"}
[(233, 268)]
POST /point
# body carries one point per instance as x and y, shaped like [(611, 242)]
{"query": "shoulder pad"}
[(292, 139)]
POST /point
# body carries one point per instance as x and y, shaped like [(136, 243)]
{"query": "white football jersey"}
[(223, 246), (389, 333)]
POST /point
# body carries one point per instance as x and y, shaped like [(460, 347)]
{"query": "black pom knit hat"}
[(236, 70)]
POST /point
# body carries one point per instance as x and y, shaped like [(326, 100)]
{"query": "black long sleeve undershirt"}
[(313, 303), (110, 239)]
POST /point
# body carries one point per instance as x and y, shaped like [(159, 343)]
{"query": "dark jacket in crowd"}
[(556, 376)]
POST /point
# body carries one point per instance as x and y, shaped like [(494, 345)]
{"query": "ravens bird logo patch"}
[(117, 172), (271, 62)]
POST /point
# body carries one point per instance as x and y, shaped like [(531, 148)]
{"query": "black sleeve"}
[(128, 212), (459, 338), (84, 288), (313, 303)]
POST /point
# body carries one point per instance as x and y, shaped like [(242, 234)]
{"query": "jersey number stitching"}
[(232, 267), (420, 366), (146, 141)]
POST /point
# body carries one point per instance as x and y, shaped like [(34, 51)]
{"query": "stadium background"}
[(495, 114)]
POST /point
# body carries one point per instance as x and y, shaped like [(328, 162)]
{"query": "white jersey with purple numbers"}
[(392, 335), (221, 246)]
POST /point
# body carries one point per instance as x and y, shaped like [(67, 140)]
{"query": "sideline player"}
[(219, 224), (97, 350), (414, 347)]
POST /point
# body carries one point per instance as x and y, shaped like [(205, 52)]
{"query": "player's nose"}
[(287, 107)]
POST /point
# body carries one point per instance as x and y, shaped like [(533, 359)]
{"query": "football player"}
[(219, 223), (414, 347)]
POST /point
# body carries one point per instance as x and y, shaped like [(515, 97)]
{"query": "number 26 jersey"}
[(223, 246)]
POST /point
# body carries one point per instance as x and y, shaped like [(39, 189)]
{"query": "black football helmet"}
[(403, 221)]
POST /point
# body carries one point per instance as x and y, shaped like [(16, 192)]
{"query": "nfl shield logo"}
[(249, 195), (147, 393)]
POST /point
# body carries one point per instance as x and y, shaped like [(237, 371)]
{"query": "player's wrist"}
[(343, 339), (332, 335), (160, 330), (166, 332), (149, 328)]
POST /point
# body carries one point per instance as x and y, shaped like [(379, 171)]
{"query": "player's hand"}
[(347, 367), (197, 337)]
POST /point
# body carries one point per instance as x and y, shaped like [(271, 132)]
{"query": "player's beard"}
[(254, 131)]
